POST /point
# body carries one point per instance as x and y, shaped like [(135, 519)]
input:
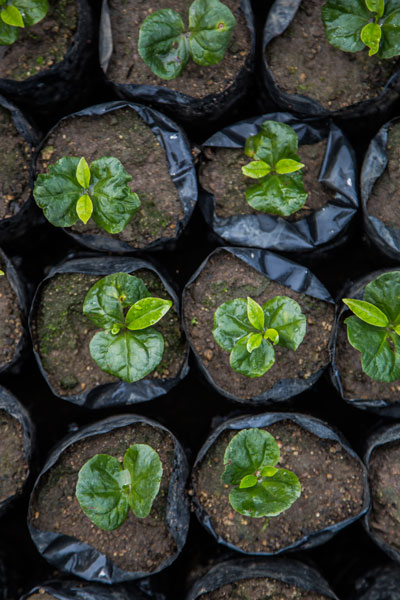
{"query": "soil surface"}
[(41, 46), (139, 544), (62, 333), (222, 176), (384, 197), (126, 66), (124, 135), (15, 157), (331, 481), (226, 277), (41, 595), (261, 589), (13, 466), (303, 62), (10, 322)]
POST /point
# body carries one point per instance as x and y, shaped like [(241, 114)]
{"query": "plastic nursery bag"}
[(74, 590)]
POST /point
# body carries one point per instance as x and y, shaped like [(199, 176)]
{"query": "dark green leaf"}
[(278, 194), (12, 16), (253, 364), (210, 26), (8, 33), (367, 312), (256, 169), (384, 292), (83, 173), (343, 21), (288, 165), (145, 468), (371, 36), (275, 142), (33, 11), (146, 312), (284, 315), (390, 42), (231, 323), (255, 314)]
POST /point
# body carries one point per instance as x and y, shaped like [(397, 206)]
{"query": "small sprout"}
[(166, 48), (248, 331), (261, 490), (106, 489), (129, 347), (194, 322), (374, 329), (16, 14), (72, 190), (280, 189)]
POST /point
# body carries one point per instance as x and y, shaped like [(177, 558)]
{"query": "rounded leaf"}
[(12, 16), (210, 25), (367, 312), (146, 312), (231, 323), (273, 335), (377, 6), (145, 468), (343, 21), (371, 36), (284, 315), (8, 34), (280, 195), (33, 11), (390, 26), (254, 364)]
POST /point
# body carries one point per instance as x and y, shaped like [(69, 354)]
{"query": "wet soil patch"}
[(139, 544), (331, 481), (10, 322), (261, 589), (13, 465), (62, 333), (226, 277), (303, 62), (124, 135), (221, 175), (41, 46)]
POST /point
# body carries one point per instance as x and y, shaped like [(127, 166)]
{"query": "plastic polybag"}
[(74, 590), (381, 583)]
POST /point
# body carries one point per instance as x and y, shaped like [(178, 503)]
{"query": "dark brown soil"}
[(384, 197), (139, 544), (13, 466), (304, 62), (41, 46), (224, 278), (331, 481), (62, 334), (126, 66), (15, 159), (41, 595), (124, 135), (10, 321), (222, 176), (261, 589)]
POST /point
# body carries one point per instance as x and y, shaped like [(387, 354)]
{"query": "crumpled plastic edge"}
[(73, 590), (378, 583)]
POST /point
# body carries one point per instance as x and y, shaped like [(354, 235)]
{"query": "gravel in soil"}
[(261, 589), (221, 175), (62, 333), (226, 277), (139, 544), (126, 66), (124, 135), (13, 466), (303, 62), (331, 481), (10, 322)]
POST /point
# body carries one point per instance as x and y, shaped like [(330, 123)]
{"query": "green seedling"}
[(352, 25), (72, 190), (280, 189), (261, 490), (374, 329), (16, 14), (1, 273), (249, 331), (106, 489), (166, 47), (128, 347)]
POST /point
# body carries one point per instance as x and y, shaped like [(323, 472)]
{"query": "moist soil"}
[(261, 589), (226, 277), (13, 466), (303, 62), (124, 135), (41, 46), (10, 321), (139, 544), (62, 333), (15, 157), (127, 67), (221, 175), (331, 481)]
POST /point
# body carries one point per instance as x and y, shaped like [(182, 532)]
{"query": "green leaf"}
[(162, 44), (255, 314), (273, 335), (397, 328), (284, 315), (12, 16), (83, 173), (371, 36), (343, 21), (32, 11), (248, 481), (377, 6), (84, 208), (288, 165), (278, 194), (231, 323), (1, 272), (268, 471), (210, 25), (146, 312), (253, 341), (390, 42), (256, 169), (384, 293), (254, 364), (8, 34), (367, 312), (99, 492), (275, 142), (145, 468)]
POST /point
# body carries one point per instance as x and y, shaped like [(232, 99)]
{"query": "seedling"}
[(106, 489), (15, 14), (352, 25), (72, 190), (166, 48), (249, 331), (375, 328), (261, 489), (129, 347), (280, 189)]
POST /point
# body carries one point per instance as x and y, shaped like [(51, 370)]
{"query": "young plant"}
[(261, 489), (280, 189), (249, 331), (352, 25), (375, 328), (72, 190), (15, 14), (129, 347), (106, 489), (166, 48)]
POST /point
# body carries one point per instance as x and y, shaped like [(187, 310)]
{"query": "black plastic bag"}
[(314, 426), (381, 583), (180, 164), (74, 590), (112, 394), (182, 107), (80, 559), (286, 272)]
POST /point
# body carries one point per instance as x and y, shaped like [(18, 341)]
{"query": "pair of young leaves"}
[(17, 14)]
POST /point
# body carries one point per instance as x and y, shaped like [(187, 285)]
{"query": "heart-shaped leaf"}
[(280, 195), (210, 25), (145, 468), (254, 364)]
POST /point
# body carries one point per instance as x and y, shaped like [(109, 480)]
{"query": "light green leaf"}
[(397, 329), (367, 312), (288, 165), (146, 312), (1, 272), (254, 364), (83, 173), (255, 314), (84, 208), (145, 468), (371, 36), (256, 169), (268, 471), (231, 323), (210, 25), (280, 195), (273, 335), (384, 293), (248, 481), (12, 16), (253, 341), (285, 316), (377, 6)]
